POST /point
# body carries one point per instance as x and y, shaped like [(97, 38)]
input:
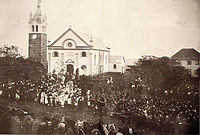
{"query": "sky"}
[(131, 28)]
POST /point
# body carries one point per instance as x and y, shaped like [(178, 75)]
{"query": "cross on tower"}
[(39, 2)]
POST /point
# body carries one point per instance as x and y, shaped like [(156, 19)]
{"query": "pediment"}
[(69, 61), (70, 39)]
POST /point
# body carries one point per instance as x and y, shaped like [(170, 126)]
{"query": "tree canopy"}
[(17, 74)]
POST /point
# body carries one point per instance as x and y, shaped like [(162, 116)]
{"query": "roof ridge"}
[(186, 53)]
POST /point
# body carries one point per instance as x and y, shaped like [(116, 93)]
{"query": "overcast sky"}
[(129, 27)]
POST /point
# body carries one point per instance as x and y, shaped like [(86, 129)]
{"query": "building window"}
[(95, 57), (44, 29), (69, 44), (197, 62), (55, 54), (189, 62), (32, 28), (83, 54), (100, 59), (195, 72), (106, 60), (36, 28), (178, 61), (114, 66), (83, 67), (190, 71)]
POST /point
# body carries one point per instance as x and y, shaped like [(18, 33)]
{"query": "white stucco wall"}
[(193, 67), (119, 68), (75, 55)]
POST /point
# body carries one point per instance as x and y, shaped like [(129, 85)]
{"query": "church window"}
[(83, 67), (95, 59), (83, 54), (114, 66), (189, 62), (32, 28), (36, 28), (190, 71), (100, 59), (106, 60), (69, 44), (44, 29), (195, 72), (55, 54), (197, 62)]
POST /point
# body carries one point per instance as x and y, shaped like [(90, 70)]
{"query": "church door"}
[(70, 68)]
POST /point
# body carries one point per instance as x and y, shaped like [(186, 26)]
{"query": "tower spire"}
[(39, 3)]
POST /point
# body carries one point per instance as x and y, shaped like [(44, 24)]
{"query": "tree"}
[(160, 94), (11, 51), (18, 75), (169, 91)]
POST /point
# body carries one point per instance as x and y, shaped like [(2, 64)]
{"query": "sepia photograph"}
[(99, 67)]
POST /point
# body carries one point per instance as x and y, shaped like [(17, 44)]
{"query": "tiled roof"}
[(96, 42), (116, 59), (186, 53)]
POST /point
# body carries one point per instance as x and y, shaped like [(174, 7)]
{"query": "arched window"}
[(44, 29), (32, 28), (83, 54), (100, 59), (95, 59), (55, 54), (106, 60), (36, 28), (114, 66), (84, 67)]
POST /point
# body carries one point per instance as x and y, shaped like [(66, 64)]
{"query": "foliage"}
[(160, 96), (10, 51), (18, 76), (159, 93)]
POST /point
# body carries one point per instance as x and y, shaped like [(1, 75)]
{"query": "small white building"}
[(117, 64), (130, 63), (188, 58)]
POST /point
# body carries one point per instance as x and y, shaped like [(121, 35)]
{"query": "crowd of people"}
[(159, 114), (18, 121)]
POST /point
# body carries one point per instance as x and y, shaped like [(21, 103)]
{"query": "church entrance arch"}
[(70, 68)]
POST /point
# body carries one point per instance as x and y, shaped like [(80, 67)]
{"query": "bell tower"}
[(37, 37)]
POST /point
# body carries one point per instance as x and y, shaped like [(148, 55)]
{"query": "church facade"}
[(71, 52), (68, 53)]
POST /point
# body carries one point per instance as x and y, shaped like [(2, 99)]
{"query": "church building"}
[(69, 52)]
